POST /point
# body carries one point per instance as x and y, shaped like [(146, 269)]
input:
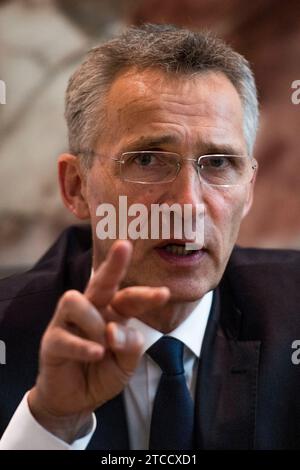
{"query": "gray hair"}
[(170, 48)]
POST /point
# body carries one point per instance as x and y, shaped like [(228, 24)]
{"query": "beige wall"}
[(41, 42)]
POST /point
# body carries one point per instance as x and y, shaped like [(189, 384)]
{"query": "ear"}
[(250, 191), (72, 184)]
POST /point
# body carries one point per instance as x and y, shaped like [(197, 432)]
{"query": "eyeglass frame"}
[(251, 160)]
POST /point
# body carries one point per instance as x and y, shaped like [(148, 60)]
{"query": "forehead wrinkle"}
[(148, 98), (177, 93), (201, 145), (143, 111)]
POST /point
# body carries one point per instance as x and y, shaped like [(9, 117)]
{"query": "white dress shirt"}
[(140, 391), (25, 433)]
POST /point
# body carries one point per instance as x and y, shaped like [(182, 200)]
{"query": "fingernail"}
[(164, 292), (136, 336), (120, 337)]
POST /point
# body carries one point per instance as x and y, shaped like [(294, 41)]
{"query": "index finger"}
[(105, 281)]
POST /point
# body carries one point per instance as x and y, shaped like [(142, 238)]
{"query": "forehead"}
[(205, 106)]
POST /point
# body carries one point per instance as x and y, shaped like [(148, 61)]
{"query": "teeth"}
[(177, 250)]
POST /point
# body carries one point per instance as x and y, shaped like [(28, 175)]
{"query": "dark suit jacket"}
[(247, 394)]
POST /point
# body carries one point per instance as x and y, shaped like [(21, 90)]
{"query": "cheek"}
[(224, 210), (101, 189)]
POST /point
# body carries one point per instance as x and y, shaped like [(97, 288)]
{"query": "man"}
[(160, 115)]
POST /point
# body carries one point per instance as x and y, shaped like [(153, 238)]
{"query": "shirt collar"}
[(190, 331)]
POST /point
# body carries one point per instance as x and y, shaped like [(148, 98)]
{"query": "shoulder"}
[(30, 298), (261, 266), (50, 272), (265, 286), (257, 257), (256, 268)]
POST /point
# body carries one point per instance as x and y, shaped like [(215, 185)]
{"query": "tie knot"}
[(167, 352)]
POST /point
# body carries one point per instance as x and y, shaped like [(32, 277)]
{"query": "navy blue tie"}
[(172, 423)]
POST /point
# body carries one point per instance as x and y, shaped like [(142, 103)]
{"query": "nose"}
[(187, 188), (187, 191)]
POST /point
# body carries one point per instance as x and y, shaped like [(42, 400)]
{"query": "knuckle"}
[(47, 345), (108, 286), (73, 347), (51, 341), (125, 294), (69, 300)]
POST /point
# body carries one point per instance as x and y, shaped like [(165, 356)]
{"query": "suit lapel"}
[(227, 381)]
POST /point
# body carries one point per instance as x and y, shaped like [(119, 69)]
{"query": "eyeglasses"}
[(150, 167)]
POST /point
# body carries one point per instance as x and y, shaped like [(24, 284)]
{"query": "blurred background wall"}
[(42, 41)]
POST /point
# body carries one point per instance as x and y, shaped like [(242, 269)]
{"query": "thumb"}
[(126, 344)]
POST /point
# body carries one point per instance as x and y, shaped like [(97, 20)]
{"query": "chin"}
[(177, 297), (190, 292)]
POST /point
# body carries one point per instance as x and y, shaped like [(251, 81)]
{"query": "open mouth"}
[(181, 253), (178, 250)]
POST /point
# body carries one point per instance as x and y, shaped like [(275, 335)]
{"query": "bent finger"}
[(126, 344), (138, 300), (60, 345), (76, 313)]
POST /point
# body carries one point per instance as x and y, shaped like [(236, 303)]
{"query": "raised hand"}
[(87, 353)]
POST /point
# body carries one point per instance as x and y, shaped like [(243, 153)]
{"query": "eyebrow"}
[(146, 142), (226, 149), (152, 141)]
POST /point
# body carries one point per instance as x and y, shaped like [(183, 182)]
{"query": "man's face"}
[(198, 115)]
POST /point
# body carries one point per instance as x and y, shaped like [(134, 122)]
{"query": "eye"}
[(218, 162), (145, 159), (214, 162), (223, 164)]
